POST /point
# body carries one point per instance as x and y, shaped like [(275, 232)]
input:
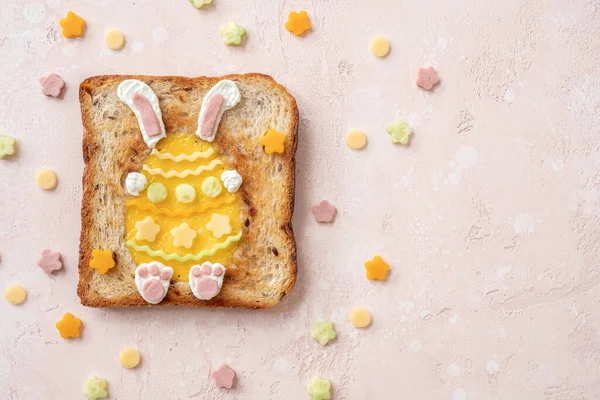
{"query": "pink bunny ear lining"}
[(149, 118)]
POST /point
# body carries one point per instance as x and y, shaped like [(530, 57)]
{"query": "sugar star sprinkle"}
[(377, 268), (147, 229), (232, 33), (102, 261), (323, 332), (273, 142), (399, 132), (427, 78), (49, 261), (183, 235), (324, 211), (73, 25), (298, 23), (69, 326), (95, 388), (200, 3), (319, 388), (7, 146)]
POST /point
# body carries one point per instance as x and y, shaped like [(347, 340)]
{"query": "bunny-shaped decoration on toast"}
[(183, 212)]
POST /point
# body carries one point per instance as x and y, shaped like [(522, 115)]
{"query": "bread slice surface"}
[(263, 267)]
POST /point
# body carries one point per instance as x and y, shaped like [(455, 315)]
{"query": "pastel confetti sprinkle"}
[(298, 23), (95, 388), (323, 332), (69, 326), (232, 33), (427, 78), (49, 261), (319, 388), (7, 146), (399, 132), (324, 211), (73, 25), (377, 268)]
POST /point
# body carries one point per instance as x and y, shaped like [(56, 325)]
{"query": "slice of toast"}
[(262, 269)]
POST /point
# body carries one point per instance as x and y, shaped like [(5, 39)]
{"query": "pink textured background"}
[(490, 218)]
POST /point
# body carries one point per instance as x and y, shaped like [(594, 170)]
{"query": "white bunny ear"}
[(220, 98), (143, 102)]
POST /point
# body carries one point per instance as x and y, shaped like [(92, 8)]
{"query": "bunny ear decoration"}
[(143, 102), (223, 96)]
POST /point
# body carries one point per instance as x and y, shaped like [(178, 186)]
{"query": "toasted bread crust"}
[(180, 100)]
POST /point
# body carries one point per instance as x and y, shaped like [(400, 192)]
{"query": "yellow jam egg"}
[(187, 215)]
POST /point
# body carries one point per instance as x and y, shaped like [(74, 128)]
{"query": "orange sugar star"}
[(73, 25), (298, 23), (377, 268), (102, 261), (69, 326), (273, 142)]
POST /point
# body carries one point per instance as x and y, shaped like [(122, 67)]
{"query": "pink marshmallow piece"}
[(52, 85), (324, 211), (427, 78), (49, 261), (223, 376)]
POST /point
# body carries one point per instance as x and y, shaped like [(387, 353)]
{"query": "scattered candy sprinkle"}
[(102, 260), (129, 358), (219, 225), (379, 46), (323, 332), (45, 179), (69, 326), (377, 268), (15, 294), (232, 33), (7, 146), (298, 23), (273, 142), (324, 211), (95, 388), (147, 229), (427, 78), (114, 39), (356, 139), (319, 388), (49, 261), (73, 25), (52, 85), (200, 3), (360, 317), (223, 376), (399, 132)]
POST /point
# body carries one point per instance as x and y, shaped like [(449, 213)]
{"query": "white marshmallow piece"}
[(126, 91), (232, 180), (230, 92), (149, 278), (135, 183), (206, 280)]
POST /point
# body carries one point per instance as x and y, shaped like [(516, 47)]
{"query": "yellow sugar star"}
[(69, 326), (147, 229), (273, 142), (219, 225), (298, 23), (102, 260), (319, 388), (95, 388), (183, 235), (377, 268), (73, 25), (399, 132)]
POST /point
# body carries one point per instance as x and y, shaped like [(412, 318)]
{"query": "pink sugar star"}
[(52, 85), (49, 261), (324, 211), (427, 78), (223, 376)]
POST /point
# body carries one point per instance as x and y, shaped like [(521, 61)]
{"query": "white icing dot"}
[(161, 34), (466, 157), (69, 49), (492, 367), (459, 394), (137, 46), (509, 96), (34, 12), (524, 224), (453, 370), (415, 345)]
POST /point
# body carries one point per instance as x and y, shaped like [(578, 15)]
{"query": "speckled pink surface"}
[(490, 219)]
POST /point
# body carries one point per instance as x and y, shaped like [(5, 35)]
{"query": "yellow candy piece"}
[(273, 142), (45, 179), (219, 225), (360, 317), (356, 139), (73, 25), (298, 23), (379, 46), (211, 187), (147, 229), (7, 146), (183, 235), (377, 268), (129, 358), (114, 39), (15, 294), (232, 33), (185, 193), (102, 261), (69, 326), (95, 388)]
